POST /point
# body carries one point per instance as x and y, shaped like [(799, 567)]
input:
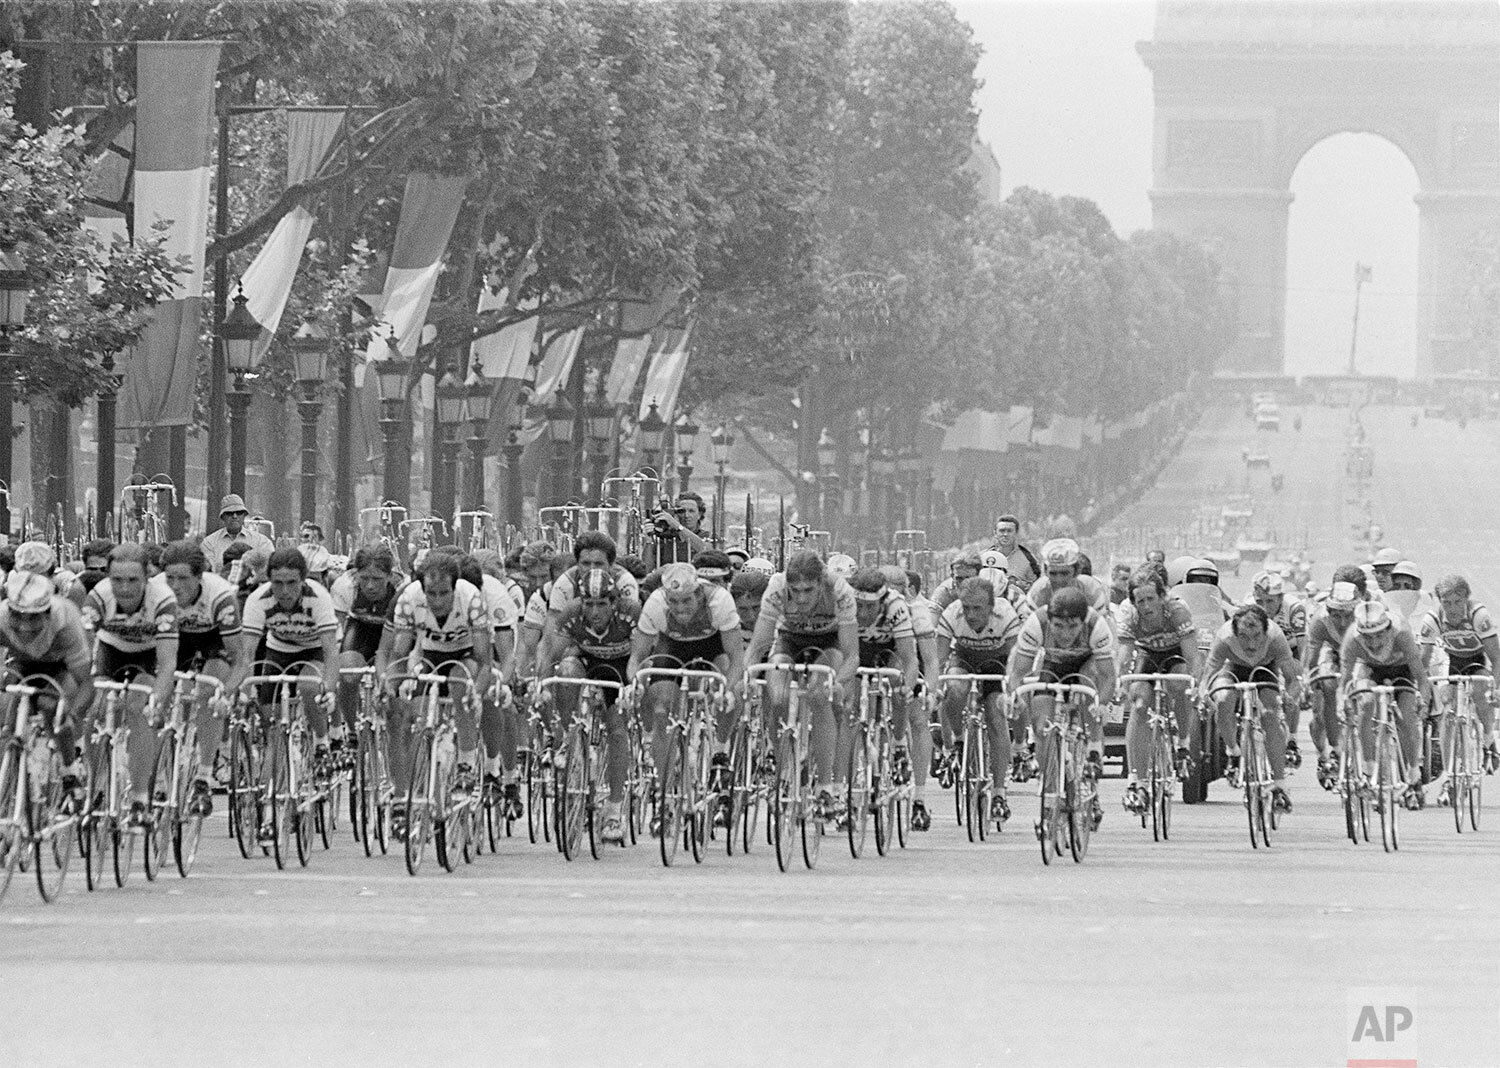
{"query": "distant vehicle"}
[(1257, 459), (1268, 417)]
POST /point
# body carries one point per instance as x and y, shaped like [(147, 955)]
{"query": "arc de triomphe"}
[(1244, 89)]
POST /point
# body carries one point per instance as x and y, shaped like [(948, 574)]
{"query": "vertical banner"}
[(174, 129), (108, 191), (557, 363), (506, 352), (664, 379), (310, 132)]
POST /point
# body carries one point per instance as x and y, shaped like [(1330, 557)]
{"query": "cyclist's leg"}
[(998, 725), (913, 713), (308, 691), (398, 730), (347, 699), (656, 716), (1409, 730), (951, 712), (1323, 706), (210, 724), (1364, 708), (142, 742), (465, 714), (1041, 717), (1275, 730), (1225, 697), (1138, 732), (825, 725)]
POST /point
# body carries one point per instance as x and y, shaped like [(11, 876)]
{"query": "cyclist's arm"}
[(942, 644), (760, 641), (504, 651), (1290, 676), (1124, 651), (906, 653), (1106, 679), (849, 646), (1491, 647), (1192, 655), (329, 640), (239, 660), (166, 664), (1217, 658), (927, 658), (484, 658), (641, 645), (394, 648), (734, 646)]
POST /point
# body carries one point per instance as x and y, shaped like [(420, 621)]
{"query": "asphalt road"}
[(1196, 951)]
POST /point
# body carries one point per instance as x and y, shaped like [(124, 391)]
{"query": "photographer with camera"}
[(679, 529)]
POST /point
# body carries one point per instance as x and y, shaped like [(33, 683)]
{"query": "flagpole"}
[(1361, 276)]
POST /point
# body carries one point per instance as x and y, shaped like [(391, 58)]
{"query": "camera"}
[(663, 527)]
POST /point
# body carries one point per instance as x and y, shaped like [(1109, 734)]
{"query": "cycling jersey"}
[(832, 609), (892, 622), (455, 634), (59, 647), (365, 617), (923, 616), (536, 607), (987, 647), (203, 625), (298, 629), (1327, 630), (1400, 663), (1040, 593), (1463, 639), (153, 621), (1038, 644), (715, 613), (517, 594), (947, 592), (499, 605), (564, 591), (1164, 633), (607, 645)]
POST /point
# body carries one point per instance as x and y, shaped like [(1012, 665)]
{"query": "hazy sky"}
[(1066, 105)]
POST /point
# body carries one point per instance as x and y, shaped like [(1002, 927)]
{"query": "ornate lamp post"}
[(600, 416), (450, 396), (909, 462), (720, 442), (687, 438), (239, 333), (481, 396), (15, 290), (859, 456), (310, 357), (515, 491), (390, 383), (828, 458), (649, 434), (560, 422), (882, 485)]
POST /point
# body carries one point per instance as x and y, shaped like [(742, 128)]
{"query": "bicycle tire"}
[(1458, 779), (1077, 793), (244, 797), (640, 794), (1047, 829), (958, 764), (858, 793), (93, 830), (810, 826), (495, 823), (122, 851), (669, 805), (278, 799), (1165, 787), (159, 815), (302, 809), (419, 821), (1476, 776), (786, 799), (362, 801), (882, 790), (977, 772), (739, 787), (446, 820), (1386, 787), (572, 792), (702, 797), (51, 838), (12, 834)]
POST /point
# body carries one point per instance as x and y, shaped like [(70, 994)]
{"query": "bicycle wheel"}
[(1387, 789), (446, 818), (1048, 828), (672, 797), (244, 796), (573, 791), (419, 819), (302, 806), (279, 799), (94, 830), (959, 765), (903, 797), (640, 794), (786, 799), (1475, 774), (739, 788), (977, 776), (882, 790), (122, 850), (1163, 786), (702, 797), (361, 793), (159, 814), (12, 834), (1078, 791), (51, 828), (858, 793), (495, 823), (187, 830)]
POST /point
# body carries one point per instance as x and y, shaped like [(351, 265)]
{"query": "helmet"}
[(1407, 568), (841, 564), (759, 565), (679, 578), (1387, 558), (36, 556), (738, 553), (1268, 584), (1343, 596), (1177, 570), (1371, 617), (995, 577), (1204, 570), (994, 559), (1060, 552), (596, 584), (28, 592)]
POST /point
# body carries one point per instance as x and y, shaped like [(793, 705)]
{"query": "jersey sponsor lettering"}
[(455, 632), (135, 631), (832, 607), (297, 629)]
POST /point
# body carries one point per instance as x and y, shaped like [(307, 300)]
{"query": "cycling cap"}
[(759, 565), (1371, 617), (35, 556), (742, 555), (1060, 552), (28, 592), (1343, 596), (993, 559), (1387, 558), (995, 577), (1269, 583), (1407, 568), (597, 584), (841, 565), (679, 578)]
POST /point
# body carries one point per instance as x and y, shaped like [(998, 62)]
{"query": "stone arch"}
[(1243, 90)]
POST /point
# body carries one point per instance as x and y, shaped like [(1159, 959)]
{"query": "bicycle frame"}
[(870, 758), (1066, 793), (973, 787), (1162, 724), (585, 753), (1255, 766), (687, 796), (1463, 748), (795, 798), (30, 821)]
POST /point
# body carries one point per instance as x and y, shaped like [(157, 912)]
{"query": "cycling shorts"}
[(1169, 662), (701, 650), (1385, 674), (983, 667), (363, 638), (804, 648), (195, 650), (110, 663), (1468, 664), (1246, 673), (876, 655)]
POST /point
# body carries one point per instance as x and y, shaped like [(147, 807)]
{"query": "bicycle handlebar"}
[(895, 674), (566, 680), (1063, 690), (1441, 679), (685, 674), (124, 687), (968, 677), (198, 677), (1155, 677), (810, 669)]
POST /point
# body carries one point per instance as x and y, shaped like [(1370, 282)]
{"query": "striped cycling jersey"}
[(892, 621), (832, 609), (991, 642), (152, 621), (715, 613), (1164, 634), (297, 629), (1464, 638)]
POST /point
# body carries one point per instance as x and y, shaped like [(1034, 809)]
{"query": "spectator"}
[(1021, 562), (233, 512)]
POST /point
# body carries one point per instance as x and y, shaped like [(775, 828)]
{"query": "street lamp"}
[(883, 468), (687, 437), (390, 383), (515, 491), (909, 462), (480, 399), (720, 442), (238, 333), (310, 359), (560, 420), (600, 416), (450, 396), (859, 455), (828, 458), (649, 434), (15, 290)]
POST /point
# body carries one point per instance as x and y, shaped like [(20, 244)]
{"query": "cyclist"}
[(208, 642), (535, 617), (499, 720), (809, 617), (295, 617), (918, 727), (439, 621), (1062, 564), (363, 598), (1383, 563), (1326, 628), (964, 567), (688, 622), (713, 566), (1268, 590), (747, 589), (1461, 628), (1157, 637), (1062, 642), (887, 639), (978, 631), (1380, 650), (134, 621), (493, 564), (841, 565), (1251, 648), (598, 631), (594, 550), (42, 634)]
